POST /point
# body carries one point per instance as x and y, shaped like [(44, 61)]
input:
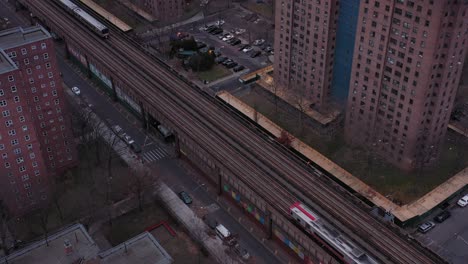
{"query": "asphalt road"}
[(450, 238), (155, 152)]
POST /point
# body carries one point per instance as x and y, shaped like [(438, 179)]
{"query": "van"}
[(222, 232)]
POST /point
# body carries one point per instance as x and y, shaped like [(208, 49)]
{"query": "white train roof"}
[(91, 20)]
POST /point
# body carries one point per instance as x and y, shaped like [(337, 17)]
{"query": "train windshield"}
[(105, 31)]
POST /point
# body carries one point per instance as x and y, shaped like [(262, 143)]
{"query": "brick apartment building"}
[(36, 142), (163, 10), (305, 35), (407, 64)]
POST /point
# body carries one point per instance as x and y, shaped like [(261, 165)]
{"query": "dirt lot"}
[(400, 186)]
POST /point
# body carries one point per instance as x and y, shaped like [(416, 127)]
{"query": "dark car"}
[(212, 29), (442, 216), (232, 40), (135, 147), (185, 197), (255, 54), (217, 53), (200, 45), (238, 68), (226, 62), (221, 59), (236, 42), (217, 31), (231, 65), (243, 46)]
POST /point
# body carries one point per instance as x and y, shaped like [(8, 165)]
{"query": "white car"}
[(240, 31), (463, 201), (220, 22), (76, 90), (127, 139), (259, 42), (228, 37), (247, 49), (117, 129)]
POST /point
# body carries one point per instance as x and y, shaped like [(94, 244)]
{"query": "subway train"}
[(86, 18), (328, 237)]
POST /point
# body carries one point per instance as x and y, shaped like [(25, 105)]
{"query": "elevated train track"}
[(276, 177)]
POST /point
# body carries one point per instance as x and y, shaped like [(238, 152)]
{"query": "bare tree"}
[(141, 180), (43, 215), (299, 100)]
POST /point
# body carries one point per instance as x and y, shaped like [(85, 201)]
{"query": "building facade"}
[(163, 10), (305, 36), (36, 141), (408, 59)]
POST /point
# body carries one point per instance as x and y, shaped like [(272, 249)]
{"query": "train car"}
[(88, 20), (331, 239)]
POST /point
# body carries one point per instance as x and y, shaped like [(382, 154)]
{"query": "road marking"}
[(154, 155)]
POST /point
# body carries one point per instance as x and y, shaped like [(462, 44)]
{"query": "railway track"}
[(240, 148)]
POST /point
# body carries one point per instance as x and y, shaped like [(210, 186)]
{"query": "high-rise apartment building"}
[(305, 35), (36, 142), (407, 64), (163, 10)]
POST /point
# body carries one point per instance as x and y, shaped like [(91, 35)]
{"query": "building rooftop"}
[(19, 36), (74, 245), (82, 247), (141, 249), (6, 64)]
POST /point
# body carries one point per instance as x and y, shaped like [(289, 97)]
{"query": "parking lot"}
[(246, 45), (449, 238)]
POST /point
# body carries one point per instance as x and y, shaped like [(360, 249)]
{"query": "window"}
[(11, 132), (27, 137), (6, 113), (2, 146), (34, 164), (25, 177), (22, 119), (16, 99), (19, 160), (17, 151), (26, 61), (43, 46), (2, 93), (11, 78), (23, 51), (14, 142), (4, 155), (3, 103), (50, 74), (46, 55), (33, 47), (7, 165), (47, 65), (30, 147), (12, 54), (8, 123), (29, 71), (19, 109)]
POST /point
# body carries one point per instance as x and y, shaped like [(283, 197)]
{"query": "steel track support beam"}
[(89, 73), (114, 91), (219, 181)]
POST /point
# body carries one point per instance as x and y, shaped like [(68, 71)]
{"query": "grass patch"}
[(401, 186), (217, 72)]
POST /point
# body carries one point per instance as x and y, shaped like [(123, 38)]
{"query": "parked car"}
[(217, 53), (203, 28), (268, 48), (259, 42), (135, 147), (463, 201), (238, 68), (228, 37), (426, 227), (117, 129), (200, 45), (239, 31), (243, 46), (231, 40), (227, 62), (235, 42), (127, 139), (76, 90), (221, 59), (249, 48), (185, 197), (220, 22), (223, 35), (442, 216), (217, 31), (231, 65), (255, 54), (212, 29)]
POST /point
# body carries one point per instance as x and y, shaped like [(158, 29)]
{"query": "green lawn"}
[(217, 72), (388, 180)]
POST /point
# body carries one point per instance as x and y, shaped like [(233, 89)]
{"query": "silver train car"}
[(342, 248), (89, 21)]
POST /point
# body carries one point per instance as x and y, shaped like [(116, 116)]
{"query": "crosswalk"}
[(154, 155)]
